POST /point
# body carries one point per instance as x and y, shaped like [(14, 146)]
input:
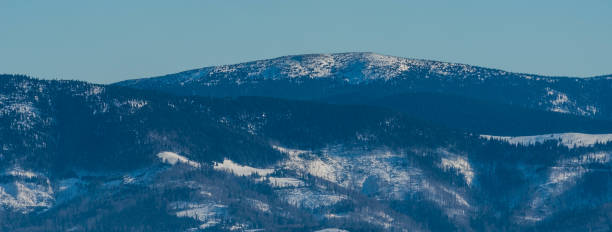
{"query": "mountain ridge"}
[(371, 76), (374, 54)]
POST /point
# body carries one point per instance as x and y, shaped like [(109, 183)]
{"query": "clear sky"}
[(107, 41)]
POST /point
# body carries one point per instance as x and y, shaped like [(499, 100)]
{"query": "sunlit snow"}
[(173, 158), (25, 196), (570, 140), (208, 213), (459, 163), (241, 170), (332, 230), (281, 182), (560, 178)]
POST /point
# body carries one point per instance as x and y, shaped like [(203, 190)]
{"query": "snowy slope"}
[(26, 191)]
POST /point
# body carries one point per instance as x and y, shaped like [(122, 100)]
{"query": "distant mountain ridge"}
[(369, 77), (357, 67)]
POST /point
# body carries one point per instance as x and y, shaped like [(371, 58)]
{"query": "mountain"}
[(369, 76), (83, 157)]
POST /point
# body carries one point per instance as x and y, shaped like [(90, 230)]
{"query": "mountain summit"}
[(352, 67)]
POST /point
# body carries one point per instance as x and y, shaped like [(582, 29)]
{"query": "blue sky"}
[(108, 41)]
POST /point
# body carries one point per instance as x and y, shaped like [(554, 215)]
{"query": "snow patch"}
[(94, 90), (260, 205), (570, 140), (558, 101), (332, 230), (18, 172), (308, 198), (460, 164), (23, 115), (25, 191), (25, 197), (283, 182), (204, 212), (133, 104), (173, 158), (137, 104), (241, 170)]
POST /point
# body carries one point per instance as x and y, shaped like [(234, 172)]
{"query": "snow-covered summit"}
[(353, 67)]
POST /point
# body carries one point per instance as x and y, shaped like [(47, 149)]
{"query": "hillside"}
[(85, 157)]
